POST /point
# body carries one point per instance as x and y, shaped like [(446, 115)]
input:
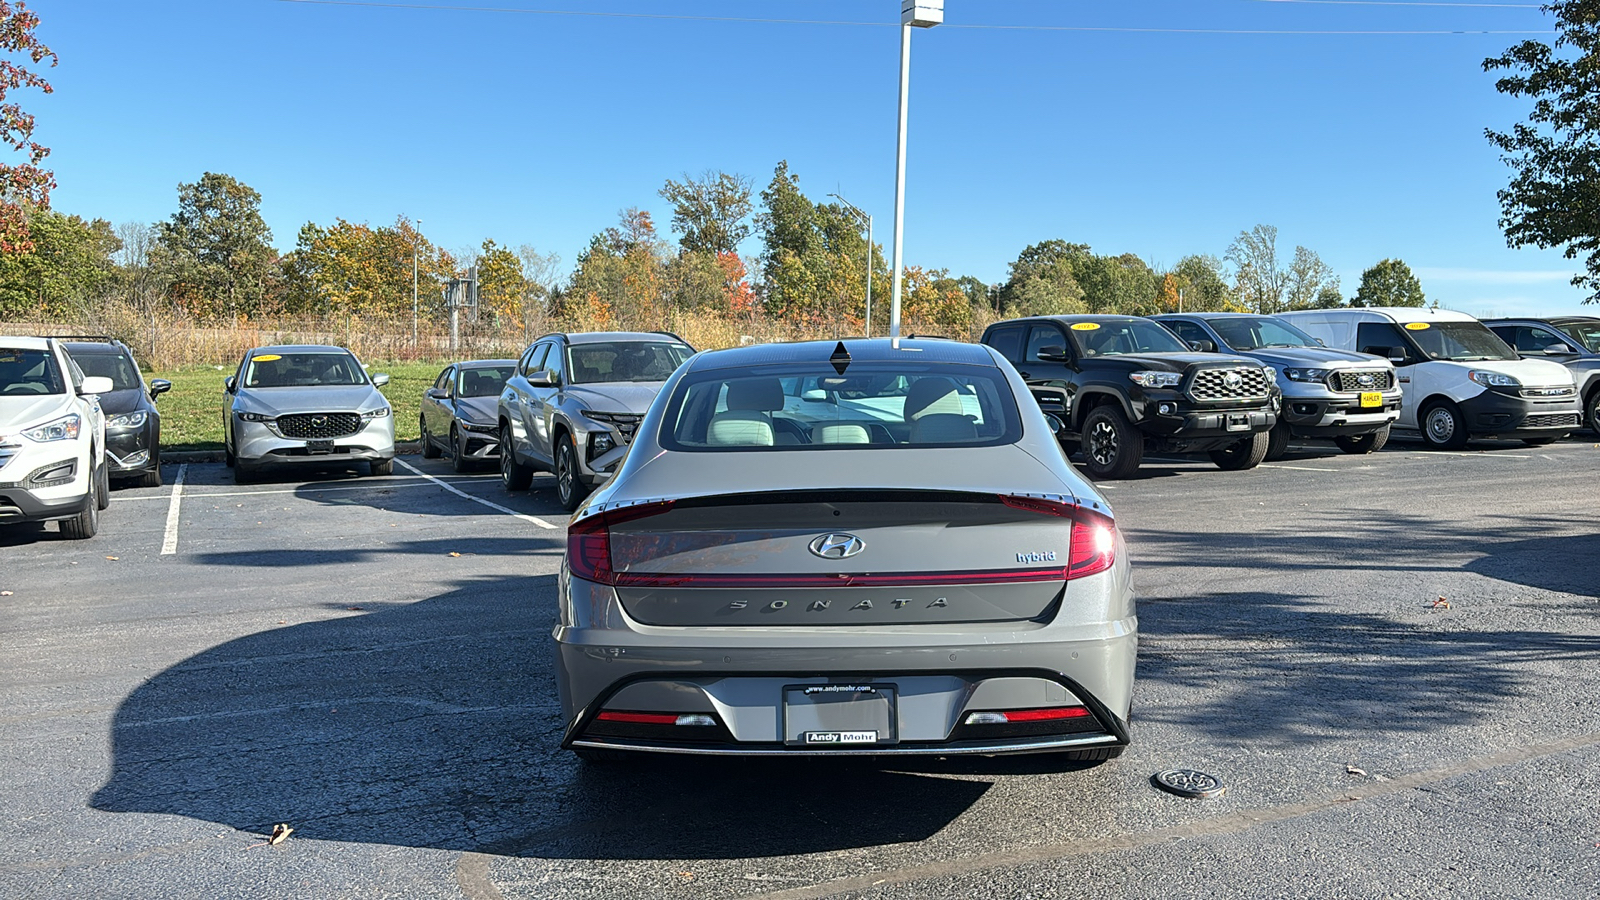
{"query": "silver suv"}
[(577, 397)]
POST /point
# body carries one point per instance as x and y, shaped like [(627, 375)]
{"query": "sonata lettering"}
[(865, 604), (819, 605)]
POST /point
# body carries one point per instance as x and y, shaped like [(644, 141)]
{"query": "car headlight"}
[(128, 420), (1271, 373), (378, 413), (480, 427), (62, 429), (1302, 374), (1156, 379), (1493, 379), (602, 443), (254, 417)]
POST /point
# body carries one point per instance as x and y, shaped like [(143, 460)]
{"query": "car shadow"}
[(434, 724)]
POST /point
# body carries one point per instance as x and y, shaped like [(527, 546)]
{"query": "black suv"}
[(1573, 341), (133, 427), (1122, 385)]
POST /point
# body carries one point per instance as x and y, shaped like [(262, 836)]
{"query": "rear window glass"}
[(484, 382), (871, 406), (115, 366)]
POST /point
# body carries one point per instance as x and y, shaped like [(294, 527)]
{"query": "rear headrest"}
[(740, 428), (761, 394), (932, 395)]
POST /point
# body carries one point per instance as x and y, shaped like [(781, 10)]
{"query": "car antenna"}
[(840, 358)]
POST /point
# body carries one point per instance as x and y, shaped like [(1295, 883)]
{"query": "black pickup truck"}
[(1123, 385)]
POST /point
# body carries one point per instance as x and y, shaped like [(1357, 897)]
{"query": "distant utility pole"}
[(458, 293), (863, 215), (416, 239), (913, 14)]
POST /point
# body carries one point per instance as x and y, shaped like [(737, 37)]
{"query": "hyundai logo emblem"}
[(837, 546)]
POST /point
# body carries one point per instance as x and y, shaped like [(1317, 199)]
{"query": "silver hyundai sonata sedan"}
[(863, 547)]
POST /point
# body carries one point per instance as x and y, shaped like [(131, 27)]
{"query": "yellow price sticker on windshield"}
[(1085, 326), (1417, 326), (268, 358)]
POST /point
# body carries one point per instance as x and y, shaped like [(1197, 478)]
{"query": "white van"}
[(1460, 380)]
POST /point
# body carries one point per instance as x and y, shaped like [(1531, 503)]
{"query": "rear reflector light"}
[(1013, 716), (642, 718), (589, 540), (1093, 546)]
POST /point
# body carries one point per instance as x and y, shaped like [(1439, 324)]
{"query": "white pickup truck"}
[(52, 438)]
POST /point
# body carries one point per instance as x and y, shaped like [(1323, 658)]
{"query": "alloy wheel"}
[(1103, 443)]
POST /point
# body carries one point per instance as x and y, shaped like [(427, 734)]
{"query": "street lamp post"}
[(415, 240), (863, 215), (913, 14)]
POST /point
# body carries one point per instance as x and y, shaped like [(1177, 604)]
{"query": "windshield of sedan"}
[(273, 370), (610, 361), (1459, 341), (24, 372), (484, 382), (1585, 333), (1258, 332), (115, 366), (1120, 336), (812, 407)]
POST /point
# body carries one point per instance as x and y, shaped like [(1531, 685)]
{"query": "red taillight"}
[(1013, 716), (638, 718), (589, 540), (1093, 546)]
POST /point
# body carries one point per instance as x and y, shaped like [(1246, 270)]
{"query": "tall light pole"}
[(415, 241), (863, 215), (913, 14)]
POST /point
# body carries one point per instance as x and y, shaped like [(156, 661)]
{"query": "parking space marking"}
[(489, 503), (1297, 468), (369, 486), (169, 543)]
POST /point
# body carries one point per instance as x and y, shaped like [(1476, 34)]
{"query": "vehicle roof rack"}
[(85, 338)]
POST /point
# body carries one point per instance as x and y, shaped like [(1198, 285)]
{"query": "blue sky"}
[(537, 129)]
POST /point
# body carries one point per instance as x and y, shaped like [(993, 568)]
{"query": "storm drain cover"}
[(1188, 783)]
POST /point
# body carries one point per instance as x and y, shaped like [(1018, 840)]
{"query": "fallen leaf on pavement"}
[(1355, 771), (5, 593), (453, 553), (113, 558), (280, 833)]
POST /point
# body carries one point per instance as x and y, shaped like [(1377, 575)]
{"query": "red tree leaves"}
[(26, 184)]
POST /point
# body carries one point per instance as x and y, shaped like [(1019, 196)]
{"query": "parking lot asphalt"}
[(1390, 662)]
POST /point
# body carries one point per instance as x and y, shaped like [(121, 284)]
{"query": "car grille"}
[(319, 425), (1549, 392), (6, 452), (1216, 384), (627, 423), (1551, 420), (1350, 380)]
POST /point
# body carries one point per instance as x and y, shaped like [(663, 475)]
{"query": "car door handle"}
[(1024, 374)]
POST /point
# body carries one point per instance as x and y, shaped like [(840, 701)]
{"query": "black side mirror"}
[(1052, 353), (437, 394), (1398, 355), (229, 384), (159, 386), (1203, 346)]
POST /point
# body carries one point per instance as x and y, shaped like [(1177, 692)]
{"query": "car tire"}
[(1442, 426), (570, 489), (429, 451), (104, 479), (1363, 443), (243, 472), (151, 478), (83, 526), (381, 467), (1244, 454), (1277, 441), (513, 475), (458, 452), (1111, 446), (1538, 441), (1591, 414)]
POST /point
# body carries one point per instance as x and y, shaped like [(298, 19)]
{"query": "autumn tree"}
[(1554, 193), (24, 186), (1308, 277), (356, 269), (711, 212), (502, 289), (815, 263), (620, 278), (1260, 280), (1122, 284), (1202, 287), (1042, 280), (217, 247), (1328, 298), (68, 264), (1389, 283)]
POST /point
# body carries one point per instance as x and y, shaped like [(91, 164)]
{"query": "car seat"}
[(933, 407), (840, 433), (747, 422)]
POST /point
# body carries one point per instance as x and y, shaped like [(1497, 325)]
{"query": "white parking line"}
[(489, 503), (1297, 468), (169, 544)]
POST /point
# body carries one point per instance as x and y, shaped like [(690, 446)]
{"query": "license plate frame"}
[(1237, 422), (855, 714), (319, 446), (1371, 399)]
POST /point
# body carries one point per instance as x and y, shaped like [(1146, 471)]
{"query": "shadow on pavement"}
[(433, 724)]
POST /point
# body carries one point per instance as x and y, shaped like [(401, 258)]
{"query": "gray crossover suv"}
[(305, 405), (839, 549), (577, 397)]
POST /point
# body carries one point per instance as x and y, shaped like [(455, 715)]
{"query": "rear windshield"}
[(271, 370), (1585, 333), (811, 407), (1459, 341), (1259, 332), (610, 361), (115, 366), (485, 382), (24, 372)]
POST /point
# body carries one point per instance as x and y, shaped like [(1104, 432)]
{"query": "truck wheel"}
[(1364, 443), (1244, 454), (429, 451), (84, 525), (1112, 447), (570, 489), (1277, 441), (1443, 427), (513, 475)]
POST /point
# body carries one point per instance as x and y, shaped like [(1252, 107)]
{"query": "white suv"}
[(52, 438)]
